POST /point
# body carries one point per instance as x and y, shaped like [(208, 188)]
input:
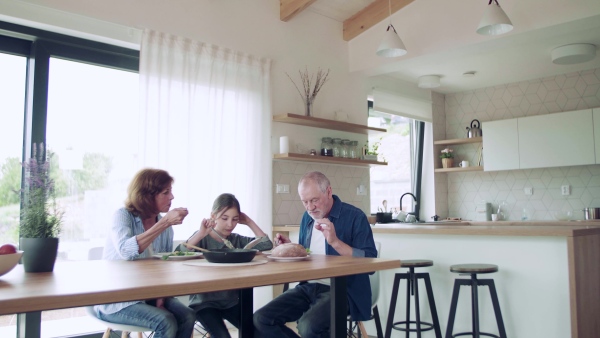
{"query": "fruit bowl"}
[(9, 261), (563, 215)]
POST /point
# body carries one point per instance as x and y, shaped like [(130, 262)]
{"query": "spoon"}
[(225, 241), (189, 246)]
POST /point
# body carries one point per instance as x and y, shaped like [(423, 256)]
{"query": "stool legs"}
[(413, 289), (474, 283)]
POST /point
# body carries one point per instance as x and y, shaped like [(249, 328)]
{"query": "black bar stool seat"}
[(412, 289), (472, 270)]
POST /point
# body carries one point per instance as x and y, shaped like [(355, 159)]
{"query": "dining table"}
[(84, 283)]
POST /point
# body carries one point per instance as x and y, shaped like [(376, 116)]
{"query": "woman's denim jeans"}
[(307, 303), (174, 321)]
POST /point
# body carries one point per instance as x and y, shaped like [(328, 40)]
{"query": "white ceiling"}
[(435, 47)]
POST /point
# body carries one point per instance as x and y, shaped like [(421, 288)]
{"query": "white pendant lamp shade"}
[(391, 45), (429, 81), (494, 21), (572, 54)]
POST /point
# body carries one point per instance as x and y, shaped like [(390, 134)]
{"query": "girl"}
[(213, 307)]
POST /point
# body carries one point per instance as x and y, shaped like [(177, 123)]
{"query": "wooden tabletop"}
[(74, 284)]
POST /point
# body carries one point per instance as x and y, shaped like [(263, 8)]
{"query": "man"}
[(332, 227)]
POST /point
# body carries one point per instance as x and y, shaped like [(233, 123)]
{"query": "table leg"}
[(29, 325), (246, 329), (339, 307)]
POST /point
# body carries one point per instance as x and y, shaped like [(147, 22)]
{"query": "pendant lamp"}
[(494, 21), (391, 45)]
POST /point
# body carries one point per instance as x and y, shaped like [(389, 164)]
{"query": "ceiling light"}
[(494, 21), (469, 74), (429, 81), (572, 54), (391, 45)]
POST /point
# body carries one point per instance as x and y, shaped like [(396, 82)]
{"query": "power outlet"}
[(528, 191), (565, 190)]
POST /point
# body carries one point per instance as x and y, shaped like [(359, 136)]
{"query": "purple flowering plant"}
[(40, 215)]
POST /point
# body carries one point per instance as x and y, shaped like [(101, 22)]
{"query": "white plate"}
[(255, 261), (288, 259), (178, 258)]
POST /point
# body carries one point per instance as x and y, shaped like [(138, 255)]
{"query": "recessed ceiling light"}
[(469, 74)]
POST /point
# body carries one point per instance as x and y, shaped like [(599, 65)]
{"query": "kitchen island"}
[(548, 278)]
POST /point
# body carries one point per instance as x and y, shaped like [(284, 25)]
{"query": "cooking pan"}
[(226, 255)]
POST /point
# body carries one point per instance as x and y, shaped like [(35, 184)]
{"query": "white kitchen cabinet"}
[(596, 113), (556, 140), (500, 145)]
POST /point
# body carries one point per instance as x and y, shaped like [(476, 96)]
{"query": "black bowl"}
[(230, 255)]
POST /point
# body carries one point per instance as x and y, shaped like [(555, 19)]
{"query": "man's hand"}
[(280, 239), (326, 227)]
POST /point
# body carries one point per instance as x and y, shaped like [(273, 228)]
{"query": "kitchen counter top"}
[(500, 228)]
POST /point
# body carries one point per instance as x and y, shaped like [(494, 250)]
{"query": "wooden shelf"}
[(326, 124), (458, 169), (326, 159), (459, 141)]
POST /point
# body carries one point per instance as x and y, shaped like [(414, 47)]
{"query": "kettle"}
[(474, 130)]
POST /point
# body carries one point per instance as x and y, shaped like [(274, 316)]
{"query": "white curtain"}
[(206, 118)]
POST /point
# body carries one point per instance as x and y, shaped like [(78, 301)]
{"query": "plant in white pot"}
[(41, 218)]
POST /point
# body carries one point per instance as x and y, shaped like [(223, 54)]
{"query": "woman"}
[(213, 307), (138, 230)]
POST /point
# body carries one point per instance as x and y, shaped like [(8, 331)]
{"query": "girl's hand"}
[(245, 219), (205, 226)]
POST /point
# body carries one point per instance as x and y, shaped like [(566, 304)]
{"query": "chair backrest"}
[(95, 253), (374, 279), (176, 243)]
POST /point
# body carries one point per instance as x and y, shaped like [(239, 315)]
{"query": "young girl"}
[(213, 307)]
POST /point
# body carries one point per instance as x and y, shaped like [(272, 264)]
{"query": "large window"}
[(389, 182), (81, 99)]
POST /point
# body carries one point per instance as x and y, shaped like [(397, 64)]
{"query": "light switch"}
[(282, 188), (528, 191), (361, 190)]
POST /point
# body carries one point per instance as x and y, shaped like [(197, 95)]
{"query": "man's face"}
[(317, 203)]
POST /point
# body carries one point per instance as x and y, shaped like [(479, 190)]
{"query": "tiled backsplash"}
[(287, 208), (560, 93)]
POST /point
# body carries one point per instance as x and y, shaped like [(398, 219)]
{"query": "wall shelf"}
[(326, 159), (459, 141), (458, 169), (316, 122)]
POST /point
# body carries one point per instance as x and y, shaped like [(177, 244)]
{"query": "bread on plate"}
[(289, 250)]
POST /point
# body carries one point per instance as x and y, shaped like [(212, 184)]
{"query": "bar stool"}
[(412, 289), (473, 270)]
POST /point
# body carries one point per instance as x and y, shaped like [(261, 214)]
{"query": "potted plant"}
[(41, 218), (447, 157), (370, 152)]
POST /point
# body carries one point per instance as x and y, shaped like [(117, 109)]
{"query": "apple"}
[(8, 249)]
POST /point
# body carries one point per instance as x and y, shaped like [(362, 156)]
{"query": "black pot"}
[(230, 255), (39, 254), (383, 217)]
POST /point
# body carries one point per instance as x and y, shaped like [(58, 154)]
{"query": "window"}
[(80, 98), (395, 147)]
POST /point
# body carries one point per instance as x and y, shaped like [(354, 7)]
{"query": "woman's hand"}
[(175, 216)]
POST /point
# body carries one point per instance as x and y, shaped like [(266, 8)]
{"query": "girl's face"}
[(163, 199), (227, 221)]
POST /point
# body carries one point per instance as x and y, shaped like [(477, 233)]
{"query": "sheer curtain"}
[(206, 118)]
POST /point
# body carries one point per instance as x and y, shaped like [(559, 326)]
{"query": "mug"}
[(464, 164)]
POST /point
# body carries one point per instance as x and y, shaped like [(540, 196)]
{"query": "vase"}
[(39, 254), (447, 162), (308, 107)]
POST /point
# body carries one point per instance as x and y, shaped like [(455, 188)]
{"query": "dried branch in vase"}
[(310, 92)]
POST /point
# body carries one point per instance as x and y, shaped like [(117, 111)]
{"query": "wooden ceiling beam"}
[(370, 16), (290, 8)]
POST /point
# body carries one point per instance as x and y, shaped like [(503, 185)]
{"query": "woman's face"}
[(227, 221), (163, 199)]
